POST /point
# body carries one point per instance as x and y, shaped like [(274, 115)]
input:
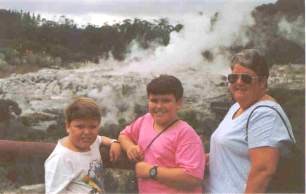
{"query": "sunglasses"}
[(246, 78)]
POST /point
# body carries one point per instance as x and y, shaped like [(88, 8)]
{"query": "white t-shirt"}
[(229, 163), (67, 171)]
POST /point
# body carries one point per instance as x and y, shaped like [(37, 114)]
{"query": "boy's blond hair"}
[(82, 108)]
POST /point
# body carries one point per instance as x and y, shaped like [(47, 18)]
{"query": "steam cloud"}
[(199, 34), (183, 57), (293, 31)]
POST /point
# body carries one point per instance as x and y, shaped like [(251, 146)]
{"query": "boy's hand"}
[(114, 151), (142, 169), (134, 153)]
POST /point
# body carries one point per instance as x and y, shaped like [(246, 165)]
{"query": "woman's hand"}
[(114, 151)]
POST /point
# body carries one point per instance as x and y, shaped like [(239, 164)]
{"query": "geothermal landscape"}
[(199, 55)]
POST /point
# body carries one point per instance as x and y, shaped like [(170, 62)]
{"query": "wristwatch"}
[(153, 172)]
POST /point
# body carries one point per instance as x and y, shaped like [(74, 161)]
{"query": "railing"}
[(11, 151), (27, 159)]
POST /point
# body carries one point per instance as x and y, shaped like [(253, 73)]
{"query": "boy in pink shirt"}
[(174, 161)]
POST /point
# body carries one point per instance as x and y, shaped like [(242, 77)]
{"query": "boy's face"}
[(163, 108), (82, 133)]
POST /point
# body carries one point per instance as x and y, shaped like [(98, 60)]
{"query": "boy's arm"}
[(189, 169), (173, 177), (133, 151), (115, 148), (108, 141)]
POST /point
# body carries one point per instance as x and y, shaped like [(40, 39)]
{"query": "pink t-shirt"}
[(179, 146)]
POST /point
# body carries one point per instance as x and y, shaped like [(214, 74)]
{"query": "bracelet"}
[(114, 141)]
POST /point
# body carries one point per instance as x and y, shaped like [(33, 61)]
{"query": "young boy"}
[(75, 165), (168, 152)]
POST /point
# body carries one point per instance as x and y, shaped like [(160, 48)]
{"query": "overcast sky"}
[(100, 11)]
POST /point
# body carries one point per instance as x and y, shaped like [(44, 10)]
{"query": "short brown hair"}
[(82, 108), (252, 59), (166, 84)]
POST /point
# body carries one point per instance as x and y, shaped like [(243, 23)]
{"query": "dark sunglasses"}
[(246, 78)]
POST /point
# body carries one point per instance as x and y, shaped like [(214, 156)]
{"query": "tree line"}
[(26, 38)]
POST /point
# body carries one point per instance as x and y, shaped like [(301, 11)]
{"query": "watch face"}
[(153, 172)]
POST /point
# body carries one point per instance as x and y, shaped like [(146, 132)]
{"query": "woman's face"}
[(245, 86)]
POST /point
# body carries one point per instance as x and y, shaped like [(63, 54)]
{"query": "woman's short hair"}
[(82, 108), (252, 59), (166, 84)]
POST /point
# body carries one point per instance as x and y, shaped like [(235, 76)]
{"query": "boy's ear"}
[(179, 103)]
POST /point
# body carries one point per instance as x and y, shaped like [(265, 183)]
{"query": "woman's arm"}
[(264, 162)]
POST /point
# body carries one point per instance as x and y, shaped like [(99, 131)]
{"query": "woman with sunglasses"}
[(244, 160)]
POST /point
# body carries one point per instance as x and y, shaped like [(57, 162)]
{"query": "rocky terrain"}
[(42, 96)]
